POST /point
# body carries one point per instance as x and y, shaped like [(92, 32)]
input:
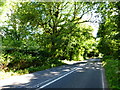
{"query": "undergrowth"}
[(112, 72)]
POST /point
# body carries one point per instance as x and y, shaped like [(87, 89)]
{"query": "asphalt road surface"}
[(86, 74)]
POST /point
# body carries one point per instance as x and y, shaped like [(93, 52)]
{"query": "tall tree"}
[(41, 32), (51, 18), (109, 30)]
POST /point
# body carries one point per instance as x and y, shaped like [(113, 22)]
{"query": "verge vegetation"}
[(112, 71), (39, 35)]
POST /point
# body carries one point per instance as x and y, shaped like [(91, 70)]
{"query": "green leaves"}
[(109, 30), (112, 70), (56, 28)]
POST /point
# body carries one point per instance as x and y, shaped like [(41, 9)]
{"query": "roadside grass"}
[(4, 75), (112, 72), (44, 67)]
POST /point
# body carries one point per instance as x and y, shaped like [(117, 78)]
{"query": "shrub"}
[(112, 73)]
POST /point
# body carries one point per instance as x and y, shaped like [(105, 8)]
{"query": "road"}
[(87, 74)]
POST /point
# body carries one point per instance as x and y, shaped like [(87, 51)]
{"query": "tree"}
[(43, 32), (49, 17), (109, 30)]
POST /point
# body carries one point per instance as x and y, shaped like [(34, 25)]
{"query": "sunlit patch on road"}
[(97, 68), (79, 68), (55, 73), (80, 71), (52, 75), (66, 70)]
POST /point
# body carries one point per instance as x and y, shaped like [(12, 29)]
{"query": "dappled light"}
[(48, 40), (36, 38), (25, 81)]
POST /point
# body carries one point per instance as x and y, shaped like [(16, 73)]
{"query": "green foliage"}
[(37, 35), (112, 71), (52, 63), (109, 30), (2, 3), (109, 45)]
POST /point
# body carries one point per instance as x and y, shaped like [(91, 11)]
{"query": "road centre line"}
[(41, 83), (74, 69), (37, 85)]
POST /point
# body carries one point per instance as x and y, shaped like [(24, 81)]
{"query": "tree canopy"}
[(36, 36), (109, 31), (42, 33)]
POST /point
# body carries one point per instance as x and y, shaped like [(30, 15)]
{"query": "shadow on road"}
[(39, 78)]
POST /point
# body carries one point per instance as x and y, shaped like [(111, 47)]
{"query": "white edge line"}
[(55, 80), (102, 79)]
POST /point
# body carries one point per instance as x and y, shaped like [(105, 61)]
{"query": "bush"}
[(4, 61), (27, 61), (112, 72), (40, 68), (47, 65)]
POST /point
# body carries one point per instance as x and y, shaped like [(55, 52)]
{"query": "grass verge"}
[(112, 72), (4, 75)]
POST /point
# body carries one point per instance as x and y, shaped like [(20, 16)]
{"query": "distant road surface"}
[(87, 74)]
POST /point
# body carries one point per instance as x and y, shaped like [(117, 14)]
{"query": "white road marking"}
[(56, 79), (37, 85), (103, 85), (45, 81), (40, 83)]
